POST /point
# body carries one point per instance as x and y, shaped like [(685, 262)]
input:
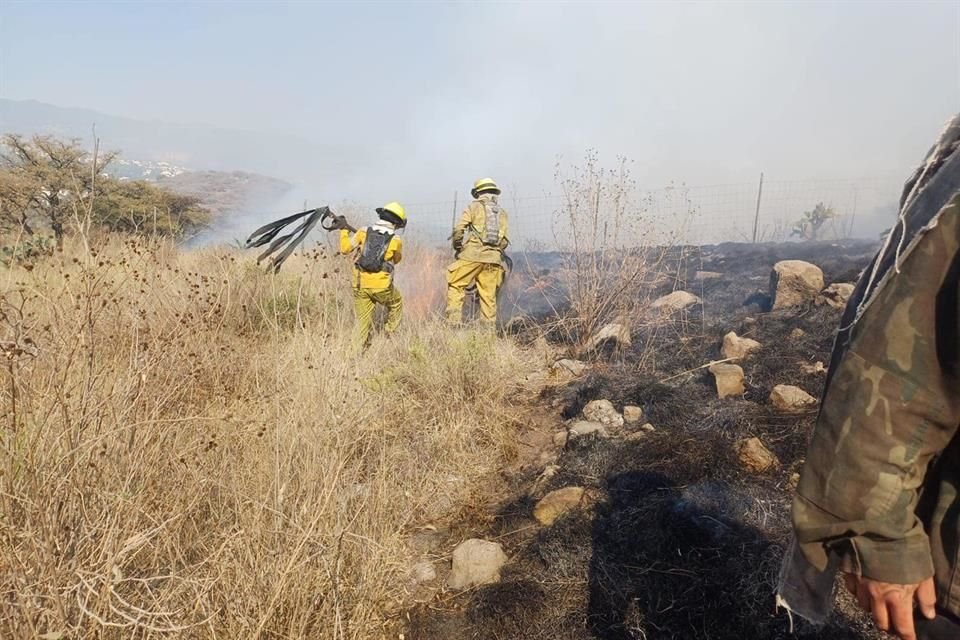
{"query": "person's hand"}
[(891, 605)]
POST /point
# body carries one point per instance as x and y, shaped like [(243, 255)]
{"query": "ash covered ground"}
[(682, 541)]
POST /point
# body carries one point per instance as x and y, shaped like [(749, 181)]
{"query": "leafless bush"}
[(616, 244)]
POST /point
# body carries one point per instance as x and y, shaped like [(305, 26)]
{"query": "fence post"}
[(454, 224), (756, 217)]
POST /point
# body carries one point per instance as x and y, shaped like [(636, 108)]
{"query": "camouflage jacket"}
[(878, 492)]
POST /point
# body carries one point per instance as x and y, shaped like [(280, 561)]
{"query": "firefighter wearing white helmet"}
[(479, 240), (376, 249)]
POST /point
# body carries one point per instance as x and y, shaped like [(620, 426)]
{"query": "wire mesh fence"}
[(770, 211)]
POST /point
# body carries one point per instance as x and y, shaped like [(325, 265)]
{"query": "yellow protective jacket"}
[(470, 230), (372, 281)]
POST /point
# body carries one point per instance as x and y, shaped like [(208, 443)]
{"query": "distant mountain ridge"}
[(192, 146)]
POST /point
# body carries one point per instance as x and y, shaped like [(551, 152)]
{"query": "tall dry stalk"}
[(615, 245)]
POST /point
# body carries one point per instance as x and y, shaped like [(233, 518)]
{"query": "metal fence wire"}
[(764, 211)]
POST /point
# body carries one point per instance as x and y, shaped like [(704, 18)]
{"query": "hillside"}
[(224, 192), (191, 146)]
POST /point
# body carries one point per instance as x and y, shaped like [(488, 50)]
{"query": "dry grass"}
[(189, 449)]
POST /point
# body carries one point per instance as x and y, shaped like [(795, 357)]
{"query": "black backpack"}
[(374, 250)]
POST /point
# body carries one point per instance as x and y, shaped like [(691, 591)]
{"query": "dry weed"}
[(189, 449)]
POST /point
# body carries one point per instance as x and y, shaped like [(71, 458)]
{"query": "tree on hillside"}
[(137, 206), (18, 197), (46, 182), (57, 174)]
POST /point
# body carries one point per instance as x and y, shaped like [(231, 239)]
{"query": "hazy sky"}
[(440, 93)]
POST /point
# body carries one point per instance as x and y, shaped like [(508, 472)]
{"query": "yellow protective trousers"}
[(463, 273), (365, 303)]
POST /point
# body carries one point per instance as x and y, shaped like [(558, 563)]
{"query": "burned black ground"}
[(682, 543)]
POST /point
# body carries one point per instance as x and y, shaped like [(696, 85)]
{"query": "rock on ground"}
[(545, 477), (837, 294), (632, 415), (736, 347), (797, 333), (813, 369), (676, 301), (790, 399), (423, 572), (569, 368), (602, 411), (617, 333), (560, 438), (754, 456), (640, 433), (476, 562), (585, 428), (794, 283), (794, 480), (729, 379), (556, 503)]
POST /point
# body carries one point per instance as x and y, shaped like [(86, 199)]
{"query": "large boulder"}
[(613, 333), (736, 348), (673, 302), (476, 562), (837, 294), (603, 411), (794, 283), (790, 399), (754, 456), (556, 503), (729, 379)]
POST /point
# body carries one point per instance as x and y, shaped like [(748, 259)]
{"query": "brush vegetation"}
[(51, 187), (188, 448)]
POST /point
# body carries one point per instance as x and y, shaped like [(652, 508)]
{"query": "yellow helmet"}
[(484, 185), (393, 212)]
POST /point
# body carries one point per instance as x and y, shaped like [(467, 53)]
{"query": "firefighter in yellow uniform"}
[(479, 239), (376, 249)]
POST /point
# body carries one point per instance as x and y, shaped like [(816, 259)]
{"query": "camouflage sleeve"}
[(892, 404)]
